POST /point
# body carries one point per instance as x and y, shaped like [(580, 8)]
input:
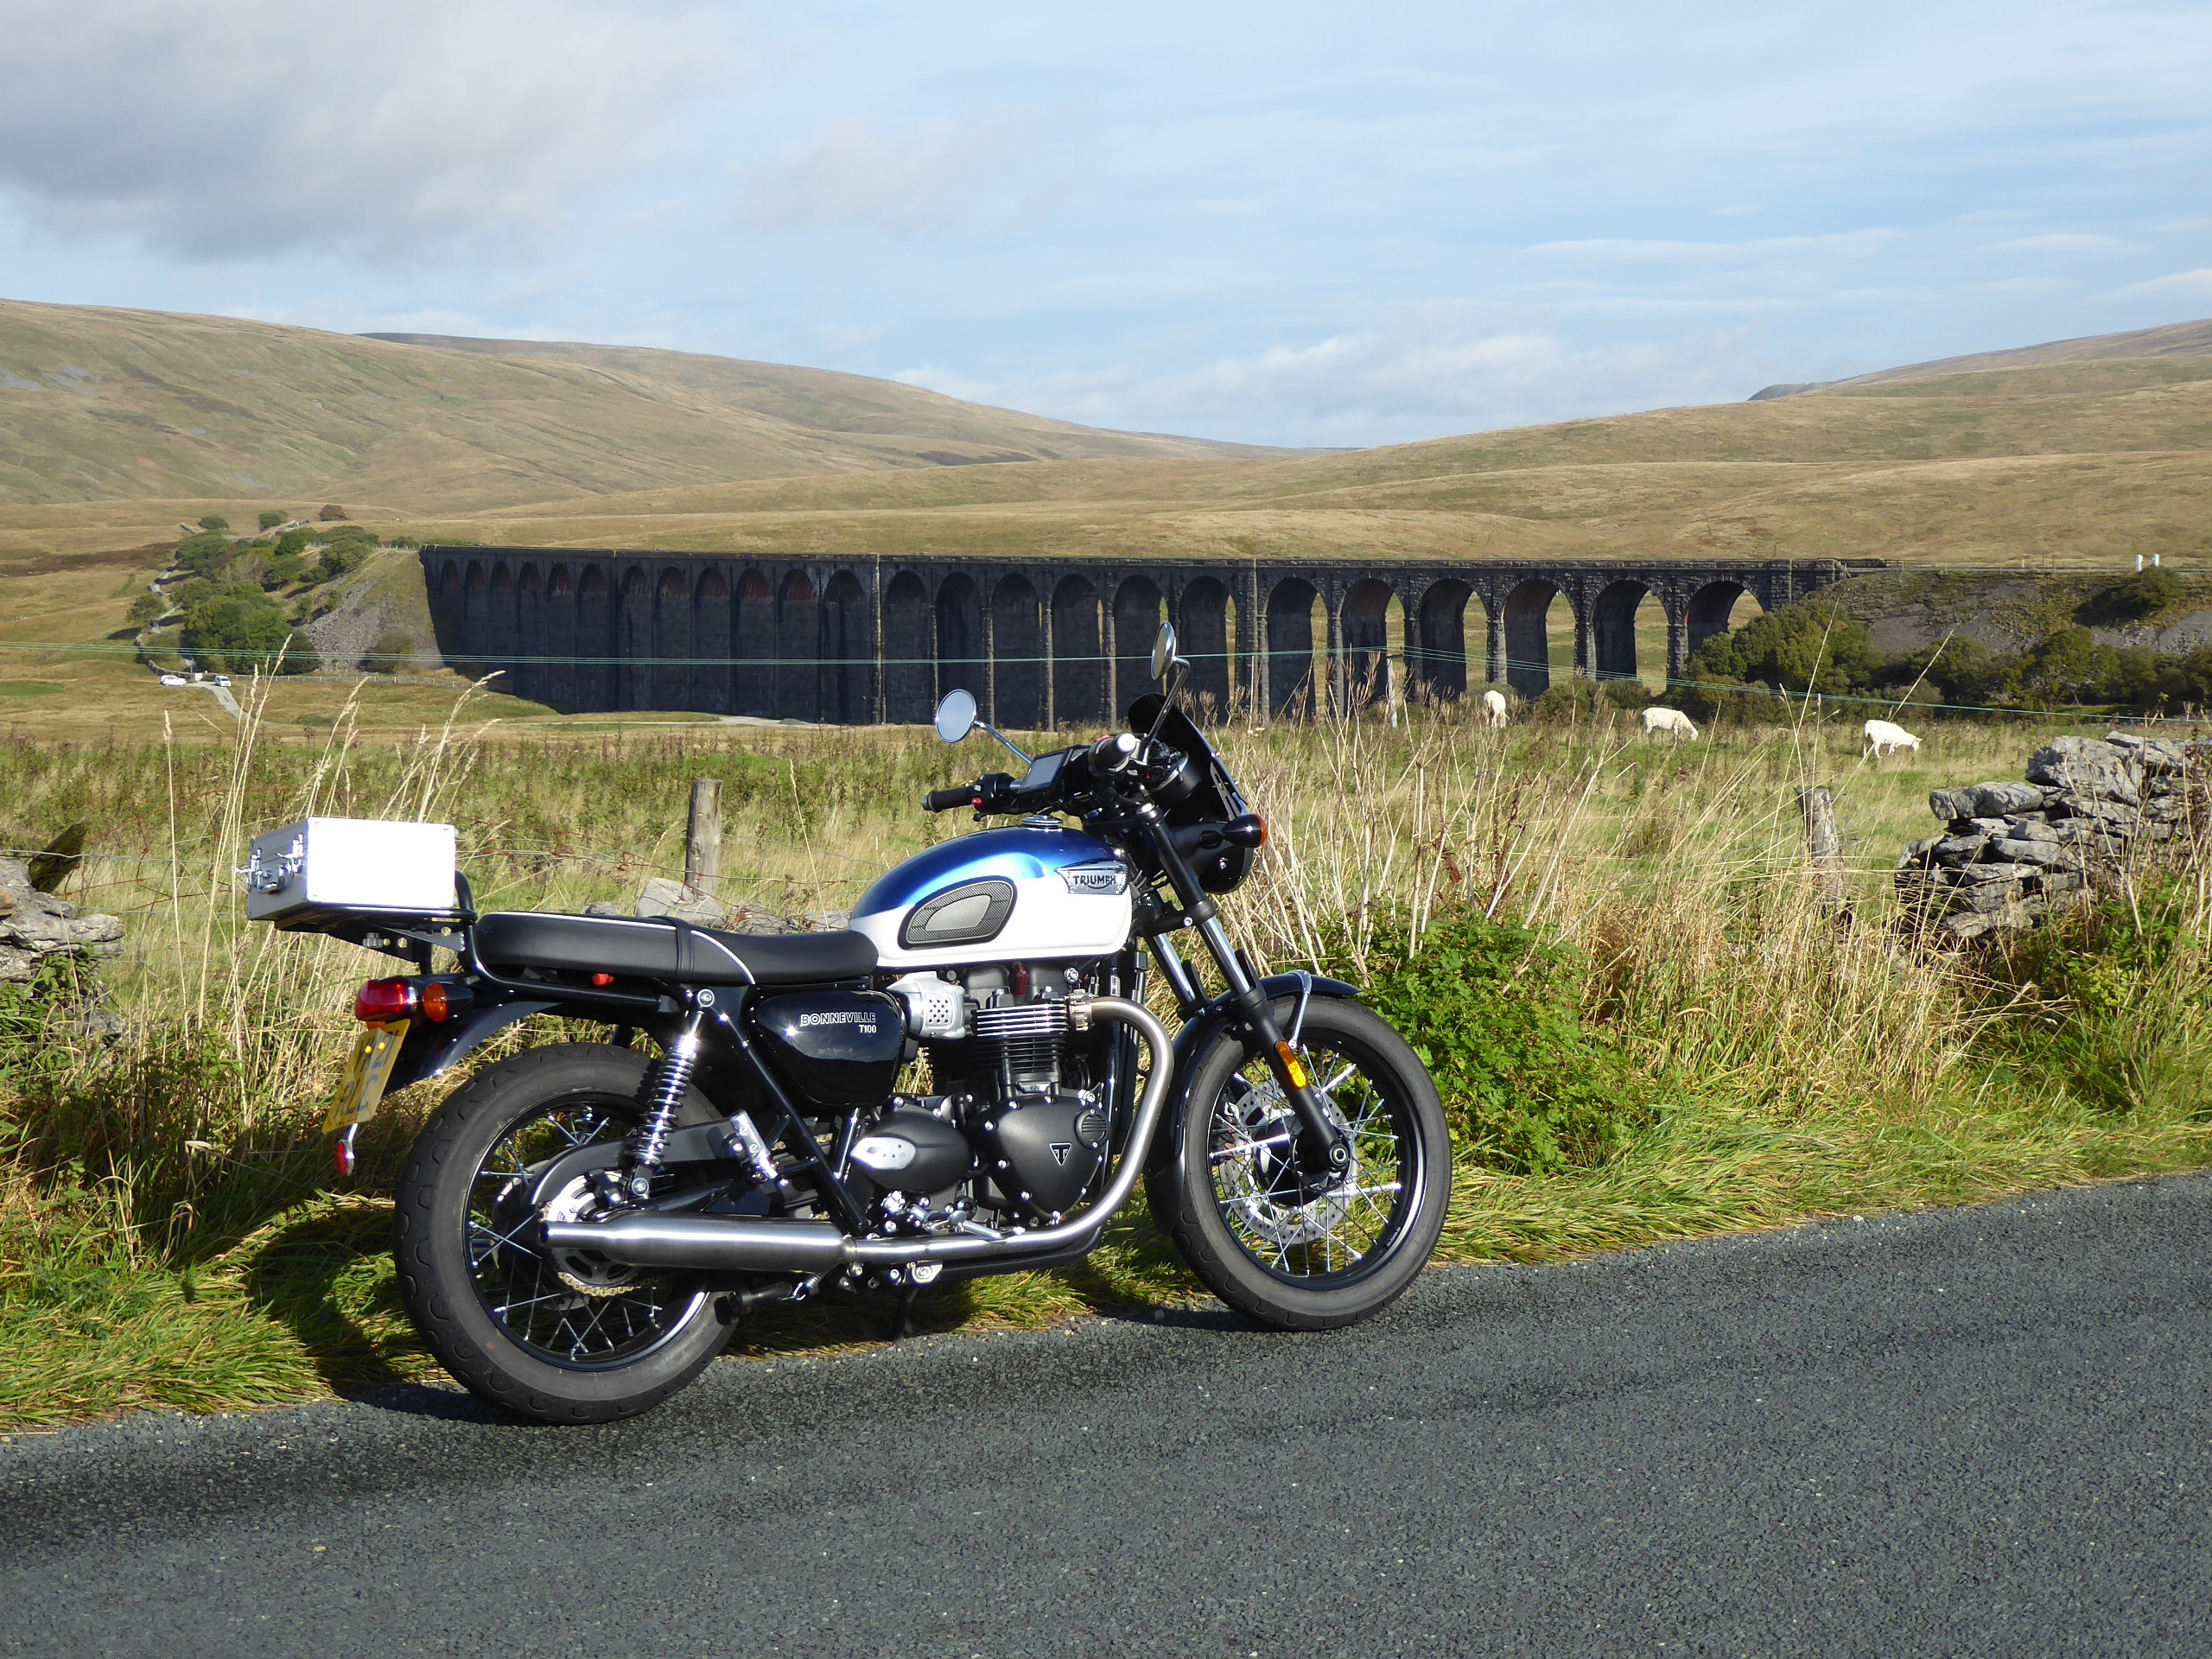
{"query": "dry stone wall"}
[(2089, 808), (35, 925)]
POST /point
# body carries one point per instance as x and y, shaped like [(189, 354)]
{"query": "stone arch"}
[(1612, 629), (960, 665), (1078, 677), (799, 649), (563, 686), (909, 655), (670, 679), (1707, 612), (754, 677), (1365, 631), (1436, 650), (849, 646), (1136, 619), (1017, 655), (1528, 637), (1203, 638), (1291, 688), (449, 580), (710, 645), (531, 671), (634, 630)]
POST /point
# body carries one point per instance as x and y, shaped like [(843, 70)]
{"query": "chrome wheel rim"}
[(570, 1309), (1340, 1234)]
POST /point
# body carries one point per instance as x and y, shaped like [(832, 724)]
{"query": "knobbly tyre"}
[(579, 1227)]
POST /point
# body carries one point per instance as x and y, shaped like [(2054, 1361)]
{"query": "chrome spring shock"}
[(670, 1080)]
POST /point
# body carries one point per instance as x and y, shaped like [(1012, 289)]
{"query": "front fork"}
[(1322, 1144)]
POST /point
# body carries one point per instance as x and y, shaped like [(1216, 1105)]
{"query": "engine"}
[(1017, 1128)]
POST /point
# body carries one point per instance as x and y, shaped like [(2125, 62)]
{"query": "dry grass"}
[(167, 1237)]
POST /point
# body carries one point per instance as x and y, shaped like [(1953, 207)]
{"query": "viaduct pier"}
[(1048, 642)]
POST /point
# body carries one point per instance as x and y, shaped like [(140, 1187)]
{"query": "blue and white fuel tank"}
[(1025, 895)]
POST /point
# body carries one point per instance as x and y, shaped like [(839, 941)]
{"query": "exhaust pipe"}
[(736, 1244)]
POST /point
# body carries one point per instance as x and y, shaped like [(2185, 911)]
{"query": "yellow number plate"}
[(375, 1051)]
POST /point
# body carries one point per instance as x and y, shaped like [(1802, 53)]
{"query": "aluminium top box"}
[(327, 869)]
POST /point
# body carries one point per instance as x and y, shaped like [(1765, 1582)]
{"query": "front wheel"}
[(1231, 1198), (560, 1337)]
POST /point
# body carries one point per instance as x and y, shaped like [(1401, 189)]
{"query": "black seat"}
[(656, 948)]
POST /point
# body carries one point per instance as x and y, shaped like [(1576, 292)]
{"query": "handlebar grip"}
[(943, 800)]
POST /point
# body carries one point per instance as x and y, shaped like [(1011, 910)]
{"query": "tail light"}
[(383, 1001)]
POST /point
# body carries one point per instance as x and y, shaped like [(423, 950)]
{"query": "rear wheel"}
[(559, 1336), (1270, 1245)]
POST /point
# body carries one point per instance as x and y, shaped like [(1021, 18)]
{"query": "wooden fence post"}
[(702, 839), (1823, 844)]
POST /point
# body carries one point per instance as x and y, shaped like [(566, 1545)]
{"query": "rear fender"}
[(430, 1050)]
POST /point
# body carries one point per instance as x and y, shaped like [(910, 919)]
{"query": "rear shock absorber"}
[(670, 1080)]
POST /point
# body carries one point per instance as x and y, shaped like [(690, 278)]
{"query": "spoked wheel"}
[(560, 1336), (1277, 1248)]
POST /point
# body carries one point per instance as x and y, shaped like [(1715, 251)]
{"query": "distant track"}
[(1976, 1431)]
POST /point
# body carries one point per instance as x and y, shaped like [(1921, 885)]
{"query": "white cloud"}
[(1843, 244), (1414, 370), (2062, 242), (2180, 284), (923, 177), (228, 129)]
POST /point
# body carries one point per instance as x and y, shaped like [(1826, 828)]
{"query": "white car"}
[(174, 679), (223, 680)]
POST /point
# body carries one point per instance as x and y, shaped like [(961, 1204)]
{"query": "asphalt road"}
[(1982, 1431)]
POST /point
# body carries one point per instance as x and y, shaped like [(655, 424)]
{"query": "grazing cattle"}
[(1883, 735), (1493, 709), (1672, 721)]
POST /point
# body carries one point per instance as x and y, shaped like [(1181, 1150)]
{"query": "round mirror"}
[(1163, 650), (956, 715)]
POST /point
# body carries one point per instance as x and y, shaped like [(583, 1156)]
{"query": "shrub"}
[(242, 630), (1812, 646), (294, 541), (216, 523), (1570, 698), (331, 514), (202, 555), (2133, 597), (284, 570), (271, 519), (344, 557), (1494, 1012), (147, 607)]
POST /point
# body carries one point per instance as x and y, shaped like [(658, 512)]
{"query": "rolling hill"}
[(115, 405)]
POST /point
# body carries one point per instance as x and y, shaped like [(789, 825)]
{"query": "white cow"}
[(1672, 721), (1493, 709), (1885, 734)]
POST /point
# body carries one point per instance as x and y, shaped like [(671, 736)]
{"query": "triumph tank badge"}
[(1105, 880)]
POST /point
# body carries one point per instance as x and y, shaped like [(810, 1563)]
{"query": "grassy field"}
[(170, 1235)]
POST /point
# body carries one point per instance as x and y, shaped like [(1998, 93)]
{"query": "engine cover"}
[(909, 1151), (1050, 1150)]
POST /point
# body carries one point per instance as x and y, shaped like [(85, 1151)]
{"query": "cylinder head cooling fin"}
[(1030, 1037)]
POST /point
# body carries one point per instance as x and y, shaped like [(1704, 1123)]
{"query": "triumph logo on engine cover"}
[(1060, 1149)]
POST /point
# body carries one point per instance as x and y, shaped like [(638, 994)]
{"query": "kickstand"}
[(904, 1326)]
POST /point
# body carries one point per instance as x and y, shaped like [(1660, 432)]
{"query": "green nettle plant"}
[(1494, 1012)]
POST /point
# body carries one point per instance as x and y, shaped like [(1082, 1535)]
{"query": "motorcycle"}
[(580, 1226)]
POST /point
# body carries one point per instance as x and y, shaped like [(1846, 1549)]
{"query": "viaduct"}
[(1048, 642)]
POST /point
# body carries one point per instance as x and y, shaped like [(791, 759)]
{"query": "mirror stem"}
[(1027, 760)]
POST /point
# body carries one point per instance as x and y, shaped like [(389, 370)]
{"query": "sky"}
[(1342, 225)]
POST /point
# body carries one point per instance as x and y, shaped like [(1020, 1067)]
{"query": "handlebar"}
[(943, 800)]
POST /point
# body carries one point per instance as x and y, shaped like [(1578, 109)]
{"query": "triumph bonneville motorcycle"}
[(580, 1226)]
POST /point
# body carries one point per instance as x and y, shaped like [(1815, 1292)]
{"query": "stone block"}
[(1951, 804), (2086, 766), (2045, 855), (1995, 800)]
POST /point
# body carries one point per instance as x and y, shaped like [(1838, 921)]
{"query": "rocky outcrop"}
[(36, 925), (2010, 853)]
